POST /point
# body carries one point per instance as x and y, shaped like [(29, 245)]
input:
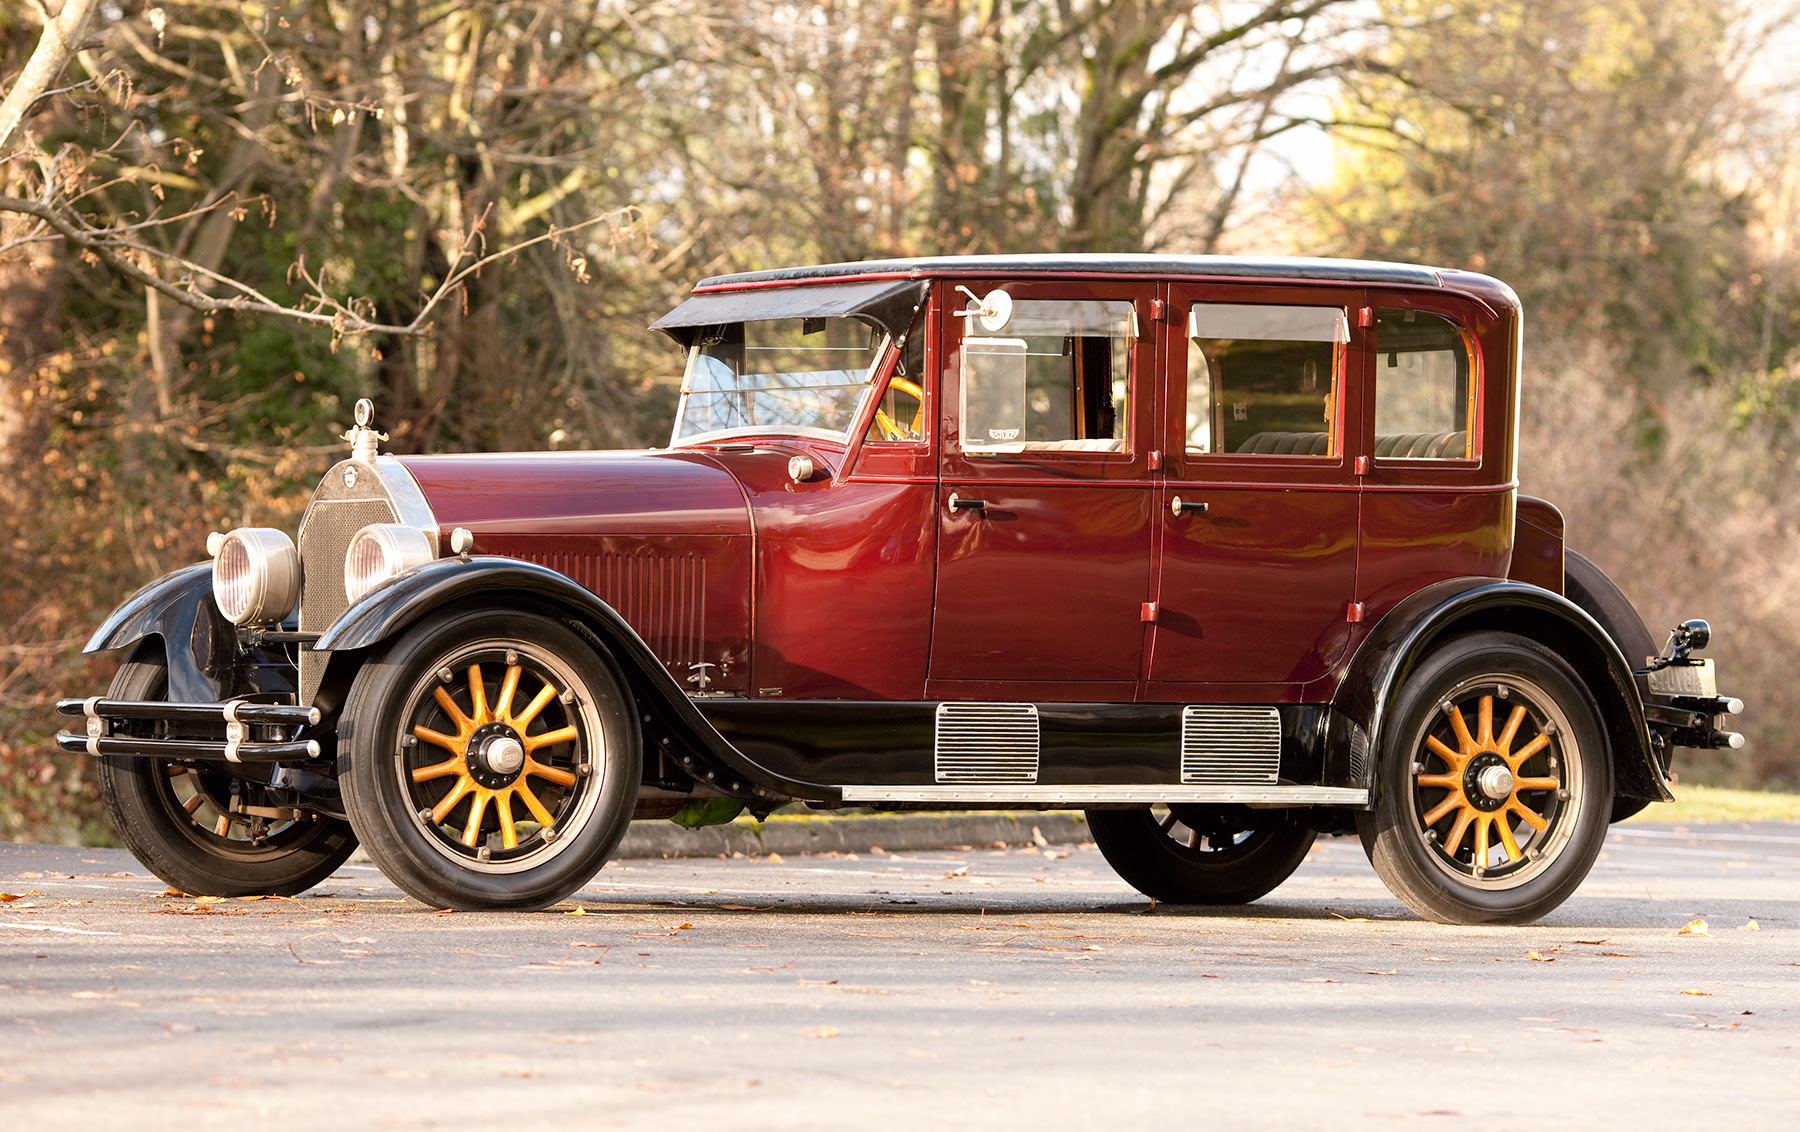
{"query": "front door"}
[(1044, 502), (1257, 518)]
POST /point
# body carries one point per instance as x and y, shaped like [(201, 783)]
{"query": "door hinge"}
[(1353, 612), (1159, 310), (1147, 611), (1365, 316), (1362, 465)]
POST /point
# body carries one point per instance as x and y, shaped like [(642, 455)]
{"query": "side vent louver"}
[(1223, 745), (987, 743)]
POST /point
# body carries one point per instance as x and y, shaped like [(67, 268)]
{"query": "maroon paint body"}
[(1077, 581)]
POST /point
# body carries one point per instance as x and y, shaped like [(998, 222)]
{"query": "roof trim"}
[(886, 302), (1198, 266)]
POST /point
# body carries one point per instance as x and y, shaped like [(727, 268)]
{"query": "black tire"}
[(1595, 594), (1185, 854), (453, 807), (170, 815), (1439, 783)]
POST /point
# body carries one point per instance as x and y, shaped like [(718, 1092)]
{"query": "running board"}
[(1082, 795)]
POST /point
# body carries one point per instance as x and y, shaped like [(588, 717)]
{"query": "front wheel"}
[(1188, 854), (1494, 785), (493, 761), (196, 825)]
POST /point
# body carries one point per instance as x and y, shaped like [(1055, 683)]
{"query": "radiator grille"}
[(987, 743), (661, 596), (325, 537), (1225, 745)]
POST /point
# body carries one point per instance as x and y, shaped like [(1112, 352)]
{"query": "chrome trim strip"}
[(1273, 795)]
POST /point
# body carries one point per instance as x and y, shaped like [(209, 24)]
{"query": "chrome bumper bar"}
[(237, 717)]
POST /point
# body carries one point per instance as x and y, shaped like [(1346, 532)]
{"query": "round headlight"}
[(379, 552), (256, 575)]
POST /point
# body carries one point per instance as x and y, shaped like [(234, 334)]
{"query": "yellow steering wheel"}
[(892, 429)]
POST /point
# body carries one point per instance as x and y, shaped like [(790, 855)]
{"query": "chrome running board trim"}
[(1077, 795)]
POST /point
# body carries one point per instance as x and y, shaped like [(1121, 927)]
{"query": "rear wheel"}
[(191, 825), (493, 761), (1188, 854), (1494, 786)]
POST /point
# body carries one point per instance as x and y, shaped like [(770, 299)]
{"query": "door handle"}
[(1182, 506), (958, 503)]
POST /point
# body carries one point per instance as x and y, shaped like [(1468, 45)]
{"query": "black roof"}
[(1057, 263)]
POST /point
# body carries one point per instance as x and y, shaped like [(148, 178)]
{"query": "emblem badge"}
[(349, 477)]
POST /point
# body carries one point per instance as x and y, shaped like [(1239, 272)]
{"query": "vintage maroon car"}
[(1226, 552)]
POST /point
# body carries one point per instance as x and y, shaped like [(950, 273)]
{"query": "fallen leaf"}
[(961, 870), (1319, 979), (209, 899), (1749, 926), (776, 859), (578, 910), (1693, 927), (1038, 838), (172, 891), (821, 1032), (1536, 958), (1619, 954), (1354, 919), (1590, 942), (1700, 993)]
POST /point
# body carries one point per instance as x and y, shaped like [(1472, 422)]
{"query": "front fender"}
[(179, 609), (390, 609), (1395, 646)]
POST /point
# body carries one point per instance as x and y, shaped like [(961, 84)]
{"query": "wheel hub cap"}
[(1496, 782)]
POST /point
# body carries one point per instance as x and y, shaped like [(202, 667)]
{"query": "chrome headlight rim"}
[(383, 551), (256, 575)]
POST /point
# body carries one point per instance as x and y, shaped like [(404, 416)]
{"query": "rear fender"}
[(1402, 639), (673, 725), (177, 609)]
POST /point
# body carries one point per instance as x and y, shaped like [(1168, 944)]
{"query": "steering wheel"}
[(892, 429)]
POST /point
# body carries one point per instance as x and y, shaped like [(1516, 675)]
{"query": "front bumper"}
[(237, 731)]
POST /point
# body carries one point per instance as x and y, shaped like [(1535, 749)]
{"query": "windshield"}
[(801, 375)]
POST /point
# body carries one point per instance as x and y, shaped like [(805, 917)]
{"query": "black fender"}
[(1394, 648), (197, 641), (495, 582)]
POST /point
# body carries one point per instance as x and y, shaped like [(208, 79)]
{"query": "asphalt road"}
[(964, 989)]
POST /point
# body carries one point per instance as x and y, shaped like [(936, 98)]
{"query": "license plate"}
[(1695, 679)]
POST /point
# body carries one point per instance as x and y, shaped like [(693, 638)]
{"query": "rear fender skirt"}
[(198, 642), (1459, 605), (690, 741)]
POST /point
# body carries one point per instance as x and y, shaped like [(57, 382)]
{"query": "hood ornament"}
[(362, 438)]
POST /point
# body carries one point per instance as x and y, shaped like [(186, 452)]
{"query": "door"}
[(1044, 501), (1257, 518)]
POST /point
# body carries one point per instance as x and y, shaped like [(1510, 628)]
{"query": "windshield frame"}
[(883, 354)]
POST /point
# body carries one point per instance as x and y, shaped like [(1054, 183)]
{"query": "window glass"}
[(1262, 380), (1423, 395), (803, 376), (900, 416), (1054, 378)]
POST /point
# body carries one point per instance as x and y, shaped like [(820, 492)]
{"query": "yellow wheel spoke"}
[(1481, 841), (1484, 717), (537, 704), (222, 827), (507, 687), (1528, 750), (554, 774), (550, 738), (194, 803), (1447, 781), (478, 694), (1506, 837), (442, 810), (1442, 808), (1531, 819), (438, 770), (1464, 740), (1504, 743), (455, 743), (477, 810), (1535, 784), (531, 803), (1455, 840), (464, 724), (509, 837), (1456, 759)]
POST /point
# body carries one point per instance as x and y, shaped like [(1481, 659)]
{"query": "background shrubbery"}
[(1627, 166)]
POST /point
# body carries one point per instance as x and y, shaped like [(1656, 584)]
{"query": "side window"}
[(1054, 376), (1263, 380), (1424, 398), (900, 416)]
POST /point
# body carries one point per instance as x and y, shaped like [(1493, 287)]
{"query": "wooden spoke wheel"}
[(1188, 854), (204, 829), (492, 761), (1495, 784)]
